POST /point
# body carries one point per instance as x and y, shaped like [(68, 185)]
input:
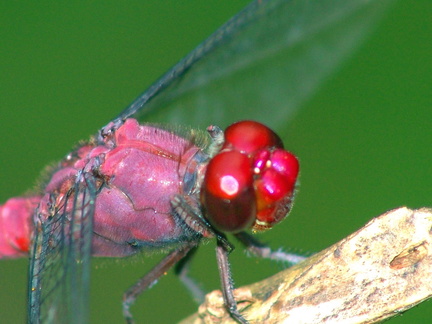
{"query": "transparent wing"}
[(60, 259), (268, 58)]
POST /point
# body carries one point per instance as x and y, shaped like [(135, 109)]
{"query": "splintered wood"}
[(375, 273)]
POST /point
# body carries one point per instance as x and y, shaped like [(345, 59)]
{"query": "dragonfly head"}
[(250, 183)]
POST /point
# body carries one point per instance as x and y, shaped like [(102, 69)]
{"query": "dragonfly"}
[(197, 74)]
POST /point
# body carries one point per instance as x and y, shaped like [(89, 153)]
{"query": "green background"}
[(363, 138)]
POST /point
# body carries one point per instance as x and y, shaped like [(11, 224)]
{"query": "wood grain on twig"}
[(375, 273)]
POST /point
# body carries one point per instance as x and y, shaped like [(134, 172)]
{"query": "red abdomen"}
[(16, 226)]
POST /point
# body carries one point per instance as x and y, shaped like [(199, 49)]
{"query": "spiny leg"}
[(193, 218), (263, 251), (181, 269), (151, 277), (227, 283)]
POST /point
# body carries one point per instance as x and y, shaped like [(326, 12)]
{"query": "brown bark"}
[(373, 274)]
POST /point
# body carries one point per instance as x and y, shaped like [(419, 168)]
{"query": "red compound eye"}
[(227, 192), (249, 136), (274, 187), (250, 183), (286, 164)]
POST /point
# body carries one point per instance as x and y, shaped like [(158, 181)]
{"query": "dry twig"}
[(375, 273)]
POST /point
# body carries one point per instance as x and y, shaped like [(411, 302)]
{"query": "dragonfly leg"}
[(263, 251), (150, 278), (191, 216), (181, 269), (227, 283)]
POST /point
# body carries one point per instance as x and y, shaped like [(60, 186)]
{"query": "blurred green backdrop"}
[(363, 139)]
